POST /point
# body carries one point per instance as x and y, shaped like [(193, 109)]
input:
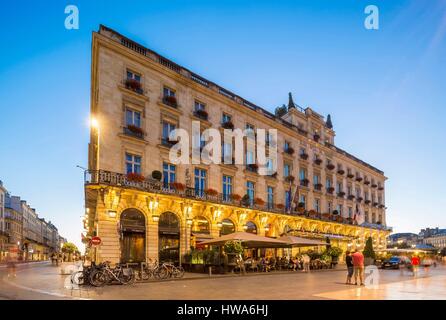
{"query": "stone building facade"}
[(138, 97)]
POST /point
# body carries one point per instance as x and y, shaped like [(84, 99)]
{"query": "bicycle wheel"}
[(98, 278), (126, 276), (178, 272), (77, 278), (162, 272)]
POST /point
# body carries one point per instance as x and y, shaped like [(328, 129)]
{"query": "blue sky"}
[(384, 88)]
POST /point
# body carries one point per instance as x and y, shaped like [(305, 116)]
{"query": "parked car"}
[(393, 263)]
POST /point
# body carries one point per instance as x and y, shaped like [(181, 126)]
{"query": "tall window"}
[(316, 179), (169, 173), (250, 191), (269, 165), (303, 199), (227, 187), (133, 163), (358, 192), (317, 205), (338, 187), (286, 145), (350, 212), (168, 127), (286, 170), (167, 92), (225, 118), (250, 128), (288, 199), (199, 106), (349, 190), (340, 209), (270, 197), (302, 174), (329, 206), (249, 157), (133, 118), (200, 181), (227, 151), (328, 183), (133, 76), (302, 151)]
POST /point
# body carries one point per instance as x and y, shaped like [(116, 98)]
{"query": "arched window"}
[(227, 227), (251, 227), (200, 225)]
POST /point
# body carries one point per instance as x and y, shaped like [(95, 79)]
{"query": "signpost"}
[(95, 241)]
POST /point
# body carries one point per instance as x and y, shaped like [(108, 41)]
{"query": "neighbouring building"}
[(23, 231), (403, 240), (3, 234), (138, 97), (436, 239), (13, 223)]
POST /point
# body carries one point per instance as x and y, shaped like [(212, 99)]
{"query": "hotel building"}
[(143, 206)]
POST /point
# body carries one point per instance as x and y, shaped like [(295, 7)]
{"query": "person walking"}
[(415, 262), (306, 263), (11, 265), (358, 267), (349, 263)]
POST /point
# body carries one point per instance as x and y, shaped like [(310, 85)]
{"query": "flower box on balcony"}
[(351, 197), (349, 220), (304, 182), (335, 212), (236, 197), (227, 125), (135, 177), (366, 182), (318, 161), (326, 216), (360, 199), (316, 137), (211, 192), (312, 214), (375, 204), (380, 188), (273, 175), (359, 179), (341, 194), (134, 131), (133, 85), (340, 219), (367, 202), (341, 172), (374, 185), (330, 166), (304, 156), (202, 114), (381, 206), (318, 186), (259, 201), (253, 167), (330, 190), (289, 151), (178, 186), (280, 206), (289, 179), (170, 101), (350, 175)]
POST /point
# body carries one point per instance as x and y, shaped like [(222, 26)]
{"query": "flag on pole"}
[(295, 200), (356, 212)]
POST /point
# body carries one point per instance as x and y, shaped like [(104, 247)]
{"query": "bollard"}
[(210, 271)]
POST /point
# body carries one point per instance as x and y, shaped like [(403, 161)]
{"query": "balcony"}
[(201, 114), (341, 172), (227, 125), (289, 151), (304, 156), (350, 175), (171, 101), (134, 131), (330, 166), (114, 179), (330, 190), (351, 197), (253, 167), (304, 182), (134, 85), (341, 194), (318, 186), (358, 179), (318, 161)]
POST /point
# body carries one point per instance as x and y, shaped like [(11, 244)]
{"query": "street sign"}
[(95, 241)]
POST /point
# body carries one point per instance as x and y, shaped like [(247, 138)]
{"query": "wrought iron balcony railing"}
[(103, 177)]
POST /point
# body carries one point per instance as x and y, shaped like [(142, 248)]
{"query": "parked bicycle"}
[(82, 277), (107, 275)]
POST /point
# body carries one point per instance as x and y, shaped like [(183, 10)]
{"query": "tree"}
[(368, 249), (70, 249)]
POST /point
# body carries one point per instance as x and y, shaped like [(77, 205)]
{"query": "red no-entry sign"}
[(95, 241)]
